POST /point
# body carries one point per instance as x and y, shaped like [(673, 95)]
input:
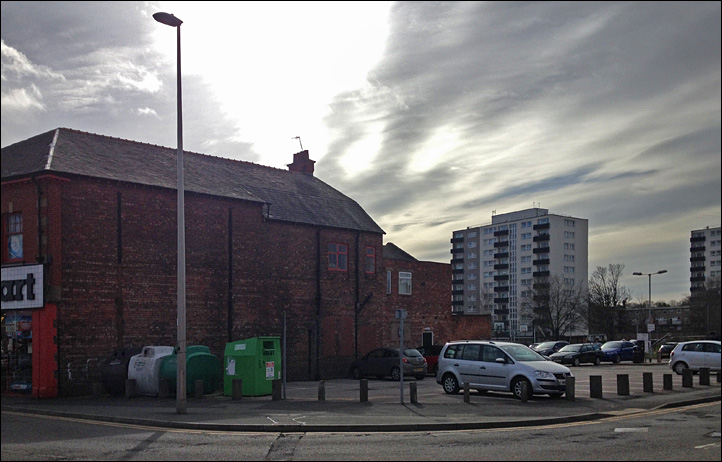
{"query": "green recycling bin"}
[(200, 365), (256, 361)]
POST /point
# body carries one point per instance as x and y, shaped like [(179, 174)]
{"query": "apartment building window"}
[(569, 234), (569, 269), (525, 236), (404, 283), (568, 257), (525, 224), (471, 255), (569, 281), (526, 258), (525, 247), (542, 221), (13, 239), (472, 234), (472, 244), (337, 257), (525, 271), (370, 260), (471, 266), (388, 282), (568, 246), (569, 223)]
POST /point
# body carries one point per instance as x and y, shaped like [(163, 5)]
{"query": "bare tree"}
[(607, 300), (560, 309)]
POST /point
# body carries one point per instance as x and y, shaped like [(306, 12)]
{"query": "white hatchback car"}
[(696, 355), (500, 366)]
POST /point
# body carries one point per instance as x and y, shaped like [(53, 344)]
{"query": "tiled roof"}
[(393, 252), (293, 196)]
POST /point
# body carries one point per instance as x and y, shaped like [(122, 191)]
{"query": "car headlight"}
[(544, 375)]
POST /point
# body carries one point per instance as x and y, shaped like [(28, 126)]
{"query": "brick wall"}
[(113, 266)]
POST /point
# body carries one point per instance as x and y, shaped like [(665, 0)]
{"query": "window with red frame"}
[(370, 260), (338, 257), (13, 236)]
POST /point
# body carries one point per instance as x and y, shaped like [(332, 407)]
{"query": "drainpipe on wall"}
[(318, 304)]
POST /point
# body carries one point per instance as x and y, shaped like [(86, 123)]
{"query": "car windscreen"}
[(522, 353), (612, 346), (570, 349), (545, 345)]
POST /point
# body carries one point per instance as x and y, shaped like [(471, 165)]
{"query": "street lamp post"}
[(649, 319), (170, 20)]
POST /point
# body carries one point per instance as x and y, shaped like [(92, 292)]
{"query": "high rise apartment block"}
[(705, 259), (496, 266)]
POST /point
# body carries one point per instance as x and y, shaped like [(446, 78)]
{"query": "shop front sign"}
[(22, 287)]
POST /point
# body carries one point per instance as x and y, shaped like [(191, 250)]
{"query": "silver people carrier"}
[(499, 366)]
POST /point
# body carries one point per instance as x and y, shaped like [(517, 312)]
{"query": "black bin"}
[(114, 370), (638, 354)]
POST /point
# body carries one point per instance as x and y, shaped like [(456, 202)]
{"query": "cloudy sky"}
[(431, 115)]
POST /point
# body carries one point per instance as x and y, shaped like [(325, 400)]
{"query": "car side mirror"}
[(501, 360)]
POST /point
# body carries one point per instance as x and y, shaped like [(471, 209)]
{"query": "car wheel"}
[(356, 373), (597, 361), (516, 388), (679, 367), (435, 370), (575, 362), (617, 359), (450, 384), (395, 374)]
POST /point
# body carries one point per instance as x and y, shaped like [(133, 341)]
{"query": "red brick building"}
[(89, 232)]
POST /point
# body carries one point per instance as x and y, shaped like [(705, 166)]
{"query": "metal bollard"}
[(704, 376), (322, 390), (364, 390), (198, 389), (569, 388), (164, 389), (719, 376), (413, 393), (667, 381), (97, 389), (276, 388), (129, 388), (467, 398), (595, 386), (524, 391), (687, 378), (648, 382), (623, 384), (236, 389)]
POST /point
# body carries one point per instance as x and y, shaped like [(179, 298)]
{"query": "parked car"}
[(666, 349), (618, 350), (499, 366), (431, 354), (549, 348), (578, 353), (384, 362), (695, 355)]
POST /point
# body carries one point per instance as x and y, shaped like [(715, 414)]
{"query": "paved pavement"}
[(342, 410)]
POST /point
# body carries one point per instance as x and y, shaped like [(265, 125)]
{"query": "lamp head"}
[(661, 272), (167, 19), (637, 274)]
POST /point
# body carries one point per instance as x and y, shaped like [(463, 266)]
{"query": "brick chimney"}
[(301, 163)]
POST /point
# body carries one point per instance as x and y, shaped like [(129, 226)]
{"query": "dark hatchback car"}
[(431, 353), (578, 353), (384, 362), (618, 350), (666, 349), (549, 348)]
